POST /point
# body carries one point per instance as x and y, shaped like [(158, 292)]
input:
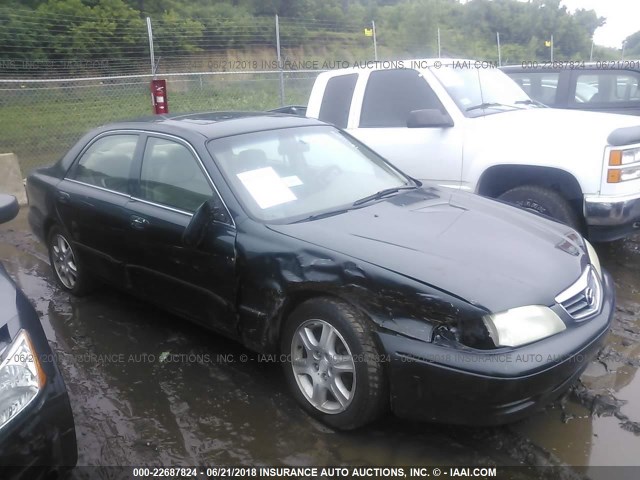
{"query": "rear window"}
[(107, 163), (336, 101)]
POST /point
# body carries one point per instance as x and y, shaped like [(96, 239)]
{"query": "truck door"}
[(431, 154)]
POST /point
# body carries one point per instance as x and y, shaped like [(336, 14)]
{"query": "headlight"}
[(624, 157), (522, 325), (593, 258), (620, 158), (21, 378)]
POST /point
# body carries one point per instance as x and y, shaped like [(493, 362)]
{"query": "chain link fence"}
[(40, 120), (49, 99)]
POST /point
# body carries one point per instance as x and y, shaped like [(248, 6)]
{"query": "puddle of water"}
[(591, 441), (201, 405)]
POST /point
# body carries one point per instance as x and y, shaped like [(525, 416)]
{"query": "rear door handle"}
[(64, 197), (139, 223)]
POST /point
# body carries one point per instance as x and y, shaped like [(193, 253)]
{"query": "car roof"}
[(213, 125)]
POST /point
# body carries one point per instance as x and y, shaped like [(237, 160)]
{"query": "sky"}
[(623, 19)]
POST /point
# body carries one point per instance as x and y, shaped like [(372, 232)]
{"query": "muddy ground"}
[(148, 388)]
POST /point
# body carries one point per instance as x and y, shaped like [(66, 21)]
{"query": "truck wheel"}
[(543, 200), (332, 365)]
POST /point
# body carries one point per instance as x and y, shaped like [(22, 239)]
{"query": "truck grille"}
[(584, 298)]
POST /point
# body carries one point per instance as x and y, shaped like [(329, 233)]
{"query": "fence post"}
[(375, 40), (439, 51), (151, 52), (280, 66), (499, 53)]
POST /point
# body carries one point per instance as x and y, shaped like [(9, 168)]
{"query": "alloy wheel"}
[(64, 261), (323, 366)]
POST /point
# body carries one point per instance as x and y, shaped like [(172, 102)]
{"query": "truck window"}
[(541, 86), (608, 87), (336, 101), (392, 94)]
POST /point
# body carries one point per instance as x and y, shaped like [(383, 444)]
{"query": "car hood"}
[(490, 254), (543, 126)]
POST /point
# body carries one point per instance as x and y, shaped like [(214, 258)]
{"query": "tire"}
[(67, 269), (544, 201), (341, 381)]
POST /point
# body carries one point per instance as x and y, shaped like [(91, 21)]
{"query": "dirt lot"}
[(149, 388)]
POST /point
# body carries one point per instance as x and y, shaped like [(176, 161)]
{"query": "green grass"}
[(40, 125)]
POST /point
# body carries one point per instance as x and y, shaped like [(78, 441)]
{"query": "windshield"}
[(481, 91), (290, 174)]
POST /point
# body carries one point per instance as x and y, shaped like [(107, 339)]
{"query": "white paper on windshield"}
[(266, 187), (292, 181)]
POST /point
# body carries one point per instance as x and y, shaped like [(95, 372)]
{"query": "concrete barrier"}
[(11, 177)]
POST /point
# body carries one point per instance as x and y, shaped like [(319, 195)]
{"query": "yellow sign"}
[(368, 32), (547, 43)]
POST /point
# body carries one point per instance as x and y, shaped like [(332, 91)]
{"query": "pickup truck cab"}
[(604, 86), (467, 125)]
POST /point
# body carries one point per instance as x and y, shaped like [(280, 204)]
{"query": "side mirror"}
[(429, 118), (210, 211), (8, 208), (197, 228)]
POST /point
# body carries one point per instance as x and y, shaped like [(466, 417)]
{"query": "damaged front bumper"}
[(479, 387)]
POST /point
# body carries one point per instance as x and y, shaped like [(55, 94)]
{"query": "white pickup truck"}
[(466, 125)]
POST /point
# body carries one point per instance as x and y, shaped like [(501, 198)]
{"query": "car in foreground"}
[(292, 237), (605, 86), (37, 432)]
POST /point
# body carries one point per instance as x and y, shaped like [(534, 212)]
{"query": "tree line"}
[(63, 29)]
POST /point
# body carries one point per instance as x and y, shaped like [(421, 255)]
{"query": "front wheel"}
[(67, 269), (333, 367), (543, 200)]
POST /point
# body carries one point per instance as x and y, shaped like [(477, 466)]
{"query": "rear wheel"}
[(69, 273), (333, 367), (543, 200)]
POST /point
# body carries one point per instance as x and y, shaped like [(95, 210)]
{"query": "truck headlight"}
[(518, 326), (624, 157), (21, 378), (593, 258), (620, 158)]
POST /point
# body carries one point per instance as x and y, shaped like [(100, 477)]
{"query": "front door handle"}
[(139, 223), (64, 197)]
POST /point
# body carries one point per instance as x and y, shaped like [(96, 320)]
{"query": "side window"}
[(542, 86), (607, 87), (392, 94), (172, 176), (336, 101), (107, 163)]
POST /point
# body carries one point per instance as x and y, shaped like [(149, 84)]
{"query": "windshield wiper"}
[(482, 106), (318, 216), (382, 193), (531, 102)]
